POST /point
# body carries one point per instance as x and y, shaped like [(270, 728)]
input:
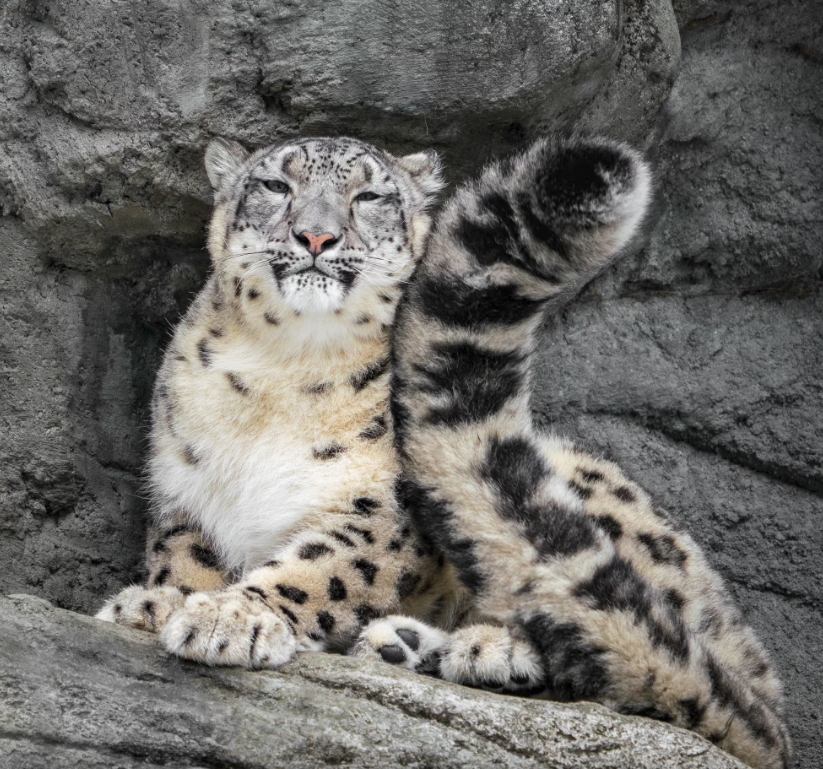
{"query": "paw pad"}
[(392, 653), (409, 637)]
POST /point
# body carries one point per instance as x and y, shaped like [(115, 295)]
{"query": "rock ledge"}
[(75, 692)]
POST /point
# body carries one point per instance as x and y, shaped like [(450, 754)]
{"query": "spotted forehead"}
[(339, 161)]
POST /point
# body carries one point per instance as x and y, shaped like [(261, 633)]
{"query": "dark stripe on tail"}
[(475, 383)]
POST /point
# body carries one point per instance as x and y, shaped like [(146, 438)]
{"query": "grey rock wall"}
[(697, 363)]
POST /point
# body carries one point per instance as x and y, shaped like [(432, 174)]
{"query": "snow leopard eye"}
[(367, 195), (275, 185)]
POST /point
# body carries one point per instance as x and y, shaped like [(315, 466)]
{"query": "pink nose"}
[(316, 243)]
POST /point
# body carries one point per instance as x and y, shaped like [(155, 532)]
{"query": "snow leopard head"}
[(319, 226)]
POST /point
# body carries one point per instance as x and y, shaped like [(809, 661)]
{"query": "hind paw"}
[(489, 657), (401, 641)]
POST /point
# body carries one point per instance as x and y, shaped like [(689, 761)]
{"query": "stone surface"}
[(75, 692), (696, 363)]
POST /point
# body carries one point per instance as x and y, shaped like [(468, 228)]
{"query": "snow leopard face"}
[(323, 222)]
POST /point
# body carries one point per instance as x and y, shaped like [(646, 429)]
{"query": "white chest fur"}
[(248, 448)]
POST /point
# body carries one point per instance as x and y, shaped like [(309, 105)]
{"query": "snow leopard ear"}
[(224, 159), (425, 170)]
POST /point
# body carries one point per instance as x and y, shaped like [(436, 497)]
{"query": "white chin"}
[(311, 293)]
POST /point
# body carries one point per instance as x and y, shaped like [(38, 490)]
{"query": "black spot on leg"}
[(313, 551), (337, 590), (271, 318), (591, 476), (663, 549), (204, 556), (149, 609), (371, 372), (237, 384), (365, 613), (238, 286), (325, 621), (216, 332), (330, 451), (190, 636), (476, 383), (185, 589), (362, 320), (162, 576), (406, 584), (365, 505), (375, 429), (385, 298), (394, 546), (292, 593), (365, 534), (317, 388), (159, 547), (252, 293), (288, 613), (256, 592), (367, 569), (204, 352), (255, 634), (342, 538)]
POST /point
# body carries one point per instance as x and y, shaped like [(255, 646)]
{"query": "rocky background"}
[(697, 363)]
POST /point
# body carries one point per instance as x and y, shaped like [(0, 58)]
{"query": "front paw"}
[(142, 608), (227, 628)]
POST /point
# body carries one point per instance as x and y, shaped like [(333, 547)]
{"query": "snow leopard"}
[(343, 453)]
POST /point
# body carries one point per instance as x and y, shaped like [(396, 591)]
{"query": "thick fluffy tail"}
[(506, 505)]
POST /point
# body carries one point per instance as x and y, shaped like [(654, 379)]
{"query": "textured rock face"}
[(696, 363), (80, 693)]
